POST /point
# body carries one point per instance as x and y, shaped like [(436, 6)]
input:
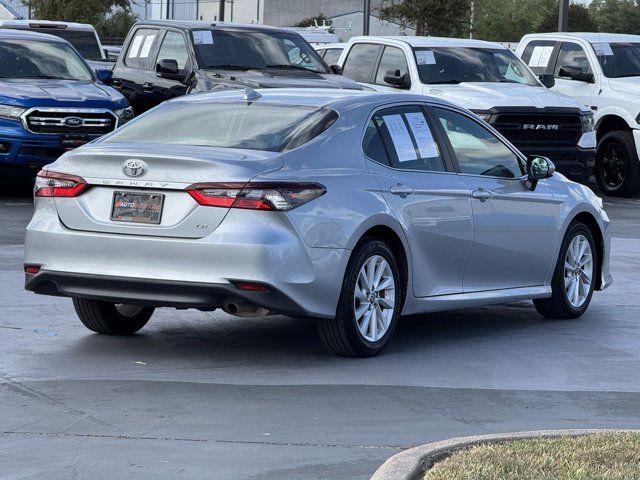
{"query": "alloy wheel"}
[(613, 165), (578, 271), (374, 298)]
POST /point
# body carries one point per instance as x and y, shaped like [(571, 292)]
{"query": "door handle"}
[(147, 86), (482, 194), (401, 190)]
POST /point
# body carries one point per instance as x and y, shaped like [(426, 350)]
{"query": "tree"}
[(443, 18), (580, 20), (616, 16), (509, 20), (102, 14)]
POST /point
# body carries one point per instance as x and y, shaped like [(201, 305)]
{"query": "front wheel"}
[(617, 164), (574, 277), (111, 318), (369, 305)]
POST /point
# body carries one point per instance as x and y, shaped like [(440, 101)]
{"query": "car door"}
[(573, 55), (360, 62), (161, 87), (430, 201), (514, 228), (131, 71)]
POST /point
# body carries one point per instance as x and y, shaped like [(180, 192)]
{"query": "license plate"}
[(69, 142), (136, 207)]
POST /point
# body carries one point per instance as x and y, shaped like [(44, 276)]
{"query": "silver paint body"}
[(461, 251)]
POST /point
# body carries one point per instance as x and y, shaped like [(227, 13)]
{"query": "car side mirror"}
[(394, 78), (168, 68), (335, 69), (538, 168), (576, 73), (547, 79), (104, 75)]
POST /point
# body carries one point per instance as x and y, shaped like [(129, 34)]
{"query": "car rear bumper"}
[(186, 272)]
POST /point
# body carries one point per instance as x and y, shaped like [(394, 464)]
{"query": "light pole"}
[(563, 16), (365, 17), (221, 11)]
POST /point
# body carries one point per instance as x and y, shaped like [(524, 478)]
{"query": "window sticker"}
[(400, 137), (203, 37), (540, 56), (425, 57), (146, 48), (135, 46), (602, 49), (422, 133)]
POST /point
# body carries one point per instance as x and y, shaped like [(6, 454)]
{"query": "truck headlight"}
[(483, 115), (124, 114), (588, 124), (10, 112)]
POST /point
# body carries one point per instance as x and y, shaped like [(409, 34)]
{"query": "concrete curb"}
[(411, 464)]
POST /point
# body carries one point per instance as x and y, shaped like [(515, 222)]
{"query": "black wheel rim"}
[(613, 165)]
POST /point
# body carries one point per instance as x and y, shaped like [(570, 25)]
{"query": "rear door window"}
[(140, 48), (539, 55), (360, 62)]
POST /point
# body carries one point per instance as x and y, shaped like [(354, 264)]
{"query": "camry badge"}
[(133, 168)]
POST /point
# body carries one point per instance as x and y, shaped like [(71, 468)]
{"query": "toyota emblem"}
[(133, 168)]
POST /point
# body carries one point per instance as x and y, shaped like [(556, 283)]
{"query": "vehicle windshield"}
[(441, 65), (255, 50), (35, 59), (252, 126), (84, 41), (618, 59)]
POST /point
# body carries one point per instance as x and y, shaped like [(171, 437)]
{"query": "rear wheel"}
[(111, 318), (574, 276), (369, 305), (617, 164)]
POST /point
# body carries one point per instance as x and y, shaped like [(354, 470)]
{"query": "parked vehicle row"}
[(349, 207)]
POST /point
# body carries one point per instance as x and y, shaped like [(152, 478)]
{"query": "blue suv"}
[(50, 102)]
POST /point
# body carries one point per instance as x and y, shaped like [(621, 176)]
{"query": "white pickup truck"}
[(489, 80), (602, 71)]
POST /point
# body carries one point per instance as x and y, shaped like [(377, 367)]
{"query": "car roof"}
[(35, 23), (203, 25), (6, 33), (433, 41), (325, 46), (315, 97), (591, 37)]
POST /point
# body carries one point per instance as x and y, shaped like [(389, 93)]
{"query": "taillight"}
[(54, 184), (256, 196)]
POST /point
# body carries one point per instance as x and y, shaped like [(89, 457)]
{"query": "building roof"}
[(435, 41), (591, 37)]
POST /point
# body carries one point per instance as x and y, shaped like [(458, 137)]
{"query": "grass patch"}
[(604, 456)]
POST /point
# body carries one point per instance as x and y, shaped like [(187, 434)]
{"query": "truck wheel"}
[(617, 164), (574, 276), (110, 318), (369, 305)]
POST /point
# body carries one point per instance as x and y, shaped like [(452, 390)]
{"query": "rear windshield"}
[(84, 41), (252, 126)]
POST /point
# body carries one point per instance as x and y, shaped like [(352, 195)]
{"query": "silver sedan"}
[(349, 207)]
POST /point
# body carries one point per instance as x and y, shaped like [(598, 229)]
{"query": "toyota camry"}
[(348, 207)]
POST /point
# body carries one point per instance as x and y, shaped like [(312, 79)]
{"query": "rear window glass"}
[(252, 126)]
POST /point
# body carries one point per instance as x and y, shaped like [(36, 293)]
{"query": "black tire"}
[(109, 318), (617, 165), (558, 305), (341, 334)]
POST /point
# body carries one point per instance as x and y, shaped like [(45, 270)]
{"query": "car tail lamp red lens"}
[(33, 269), (251, 286), (256, 196), (54, 184)]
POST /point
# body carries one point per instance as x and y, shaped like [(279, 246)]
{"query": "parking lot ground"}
[(205, 395)]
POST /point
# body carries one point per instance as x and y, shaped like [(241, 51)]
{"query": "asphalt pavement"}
[(204, 395)]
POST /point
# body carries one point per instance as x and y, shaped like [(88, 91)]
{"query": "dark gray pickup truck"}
[(164, 59)]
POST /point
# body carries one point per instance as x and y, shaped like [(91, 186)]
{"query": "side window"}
[(332, 55), (140, 48), (572, 55), (174, 47), (359, 63), (538, 55), (372, 144), (392, 59), (407, 139), (478, 151)]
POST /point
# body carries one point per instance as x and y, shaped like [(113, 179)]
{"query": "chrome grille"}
[(70, 121)]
